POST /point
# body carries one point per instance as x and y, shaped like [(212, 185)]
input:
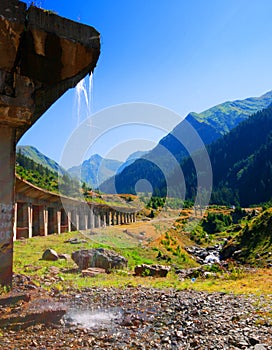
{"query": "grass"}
[(27, 254)]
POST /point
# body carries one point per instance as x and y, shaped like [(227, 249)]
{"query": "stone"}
[(253, 341), (64, 256), (99, 257), (151, 270), (75, 241), (260, 347), (14, 298), (92, 272), (48, 314), (50, 255)]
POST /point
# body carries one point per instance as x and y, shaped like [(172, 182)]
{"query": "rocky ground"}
[(141, 318)]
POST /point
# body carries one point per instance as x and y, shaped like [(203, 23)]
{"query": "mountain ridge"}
[(210, 125)]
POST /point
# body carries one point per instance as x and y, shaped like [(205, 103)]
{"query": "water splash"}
[(92, 319), (83, 98)]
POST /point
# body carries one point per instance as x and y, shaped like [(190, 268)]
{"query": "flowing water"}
[(83, 98)]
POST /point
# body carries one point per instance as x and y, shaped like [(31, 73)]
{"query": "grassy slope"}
[(38, 157), (27, 254), (255, 240)]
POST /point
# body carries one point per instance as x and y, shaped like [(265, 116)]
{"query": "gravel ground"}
[(146, 318)]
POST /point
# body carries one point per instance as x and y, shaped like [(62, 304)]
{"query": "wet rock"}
[(50, 255), (100, 257), (205, 255), (152, 270)]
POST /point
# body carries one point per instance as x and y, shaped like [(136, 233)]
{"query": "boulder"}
[(50, 255), (92, 272), (151, 270), (99, 257)]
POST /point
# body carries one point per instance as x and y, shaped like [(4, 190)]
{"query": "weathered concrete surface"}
[(42, 56)]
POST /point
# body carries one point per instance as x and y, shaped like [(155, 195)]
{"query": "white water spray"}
[(84, 98)]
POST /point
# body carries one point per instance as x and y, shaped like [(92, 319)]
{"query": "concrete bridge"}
[(42, 55), (38, 213)]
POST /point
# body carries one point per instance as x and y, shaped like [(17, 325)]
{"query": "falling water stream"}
[(83, 98)]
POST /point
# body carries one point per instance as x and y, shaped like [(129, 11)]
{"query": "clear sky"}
[(185, 55)]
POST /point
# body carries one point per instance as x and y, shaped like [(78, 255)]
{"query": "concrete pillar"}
[(108, 218), (92, 224), (30, 219), (7, 164), (117, 218), (98, 220), (77, 219), (15, 222), (104, 220), (59, 222), (86, 217), (112, 218), (45, 221), (69, 218), (121, 218)]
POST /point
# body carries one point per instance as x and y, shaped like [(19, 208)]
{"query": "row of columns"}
[(39, 220)]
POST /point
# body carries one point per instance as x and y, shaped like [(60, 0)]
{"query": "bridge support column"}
[(43, 221), (30, 219), (117, 217), (77, 220), (108, 218), (69, 218), (15, 223), (112, 218), (7, 165), (45, 213), (91, 218), (98, 220), (104, 220), (58, 222), (86, 217)]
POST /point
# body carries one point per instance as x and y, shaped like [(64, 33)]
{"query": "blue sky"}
[(185, 55)]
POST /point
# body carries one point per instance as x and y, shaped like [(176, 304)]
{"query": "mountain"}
[(39, 158), (131, 159), (241, 164), (226, 116), (210, 125), (242, 161), (95, 170)]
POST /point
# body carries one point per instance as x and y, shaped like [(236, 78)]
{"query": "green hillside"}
[(210, 125), (253, 244), (42, 177), (227, 115), (39, 158)]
